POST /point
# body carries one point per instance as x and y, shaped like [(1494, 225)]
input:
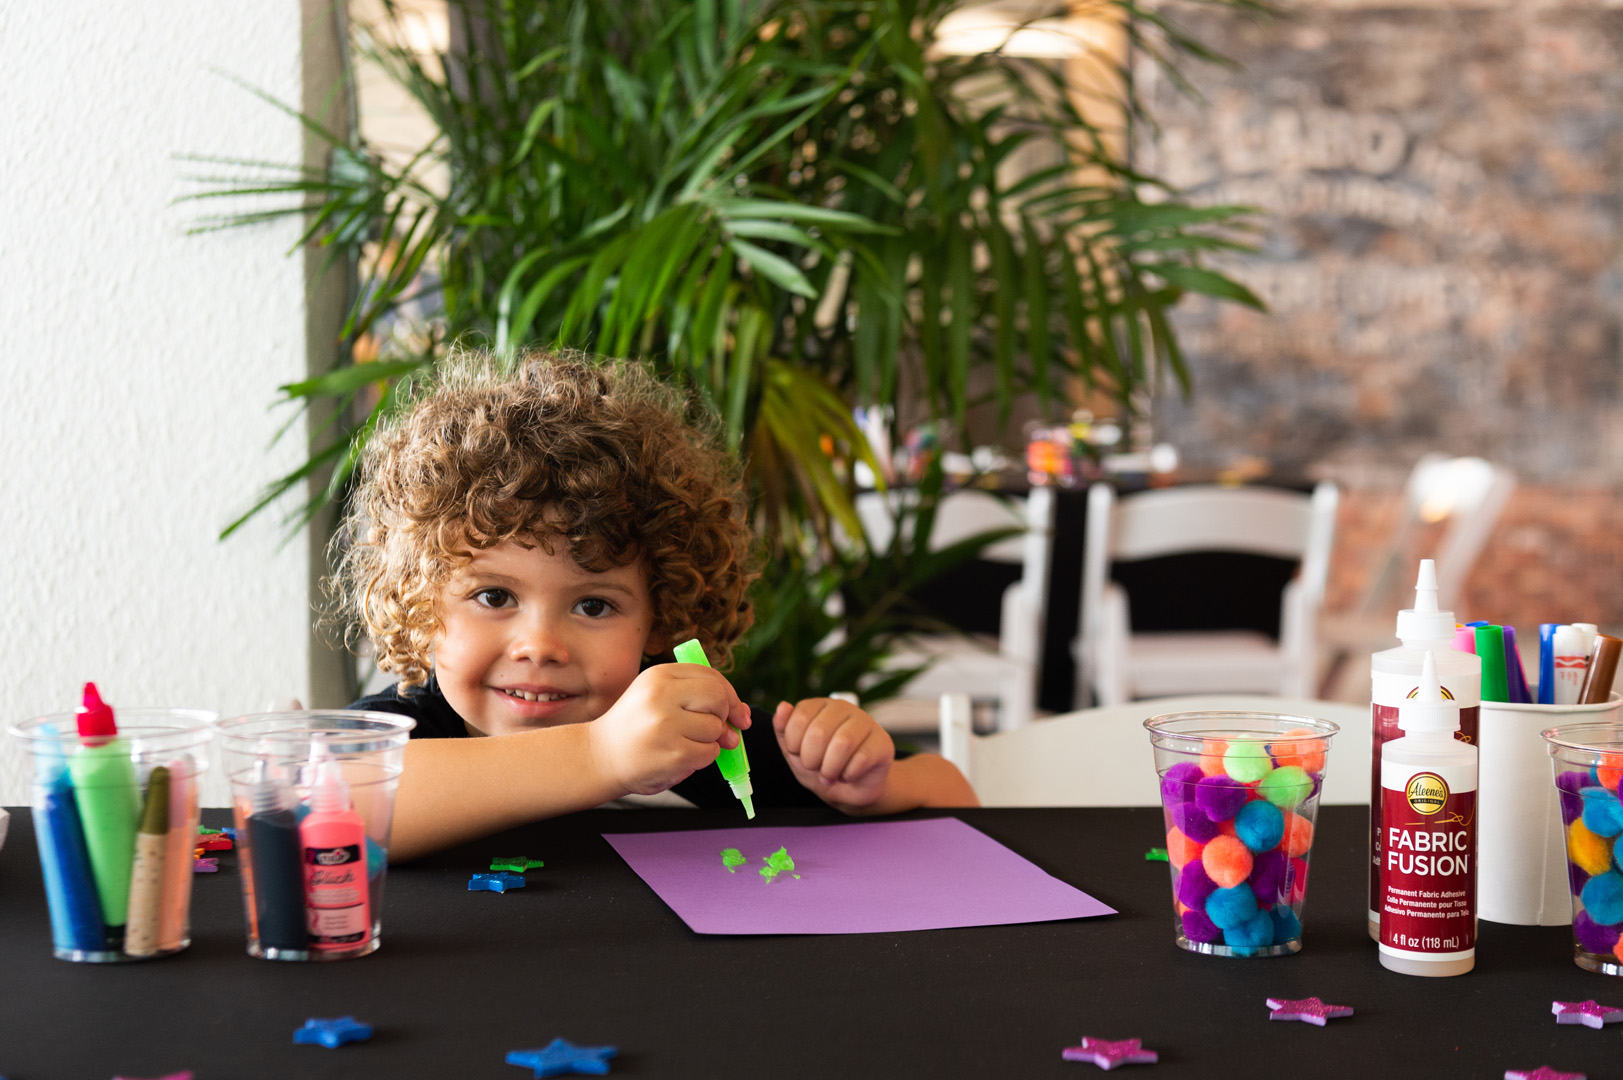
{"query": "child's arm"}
[(842, 755), (671, 721)]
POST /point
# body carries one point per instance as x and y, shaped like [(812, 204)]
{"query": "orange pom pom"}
[(1227, 861), (1592, 853), (1211, 758), (1298, 835), (1610, 770), (1181, 850), (1307, 752)]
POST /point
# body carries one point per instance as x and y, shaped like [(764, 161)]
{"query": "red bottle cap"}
[(95, 716)]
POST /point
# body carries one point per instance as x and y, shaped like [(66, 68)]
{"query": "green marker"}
[(1490, 645), (734, 764)]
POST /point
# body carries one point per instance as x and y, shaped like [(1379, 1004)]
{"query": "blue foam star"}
[(332, 1033), (496, 882), (560, 1057)]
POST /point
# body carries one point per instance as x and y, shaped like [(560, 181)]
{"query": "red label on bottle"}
[(1428, 866), (1384, 719)]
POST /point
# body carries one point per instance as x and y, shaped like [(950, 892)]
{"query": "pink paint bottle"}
[(333, 838)]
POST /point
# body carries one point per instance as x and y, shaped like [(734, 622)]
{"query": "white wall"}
[(138, 364)]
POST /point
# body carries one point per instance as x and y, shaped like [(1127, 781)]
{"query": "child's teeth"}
[(525, 695)]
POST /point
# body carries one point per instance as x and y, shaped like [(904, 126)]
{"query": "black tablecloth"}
[(589, 953)]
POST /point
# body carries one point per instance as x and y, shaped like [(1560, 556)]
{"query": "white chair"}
[(1002, 671), (1117, 664), (1102, 757)]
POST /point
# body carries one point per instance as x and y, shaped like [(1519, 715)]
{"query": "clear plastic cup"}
[(116, 821), (313, 797), (1240, 795), (1587, 759)]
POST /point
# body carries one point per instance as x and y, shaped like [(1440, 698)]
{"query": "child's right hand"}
[(672, 721)]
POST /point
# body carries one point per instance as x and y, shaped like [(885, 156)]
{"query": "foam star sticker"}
[(1308, 1010), (560, 1057), (516, 863), (1107, 1054), (1543, 1072), (332, 1033), (1587, 1013), (205, 866), (496, 882)]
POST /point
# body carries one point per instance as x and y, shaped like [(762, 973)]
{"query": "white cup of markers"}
[(313, 797), (115, 811)]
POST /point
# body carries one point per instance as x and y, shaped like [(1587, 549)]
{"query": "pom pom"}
[(1181, 850), (1247, 761), (1569, 784), (1286, 786), (1287, 927), (1192, 821), (1298, 839), (1592, 854), (1221, 797), (1211, 756), (1602, 898), (1592, 936), (1194, 885), (1227, 862), (1228, 908), (1267, 878), (1298, 881), (1306, 753), (1603, 814), (1260, 825), (1197, 927), (1178, 783), (1609, 771), (1254, 933)]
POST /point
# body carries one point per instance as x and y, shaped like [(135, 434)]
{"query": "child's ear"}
[(658, 647)]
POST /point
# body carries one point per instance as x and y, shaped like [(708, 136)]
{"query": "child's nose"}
[(542, 641)]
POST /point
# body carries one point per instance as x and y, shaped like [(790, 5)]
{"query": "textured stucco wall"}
[(138, 363)]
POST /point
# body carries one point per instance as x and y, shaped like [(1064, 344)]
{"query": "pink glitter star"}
[(1107, 1054), (1587, 1013), (1543, 1072), (1309, 1010)]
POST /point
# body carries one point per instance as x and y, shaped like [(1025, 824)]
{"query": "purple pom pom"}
[(1178, 784), (1572, 805), (1318, 782), (1592, 935), (1197, 927), (1577, 877), (1192, 821), (1268, 877), (1221, 797), (1195, 885)]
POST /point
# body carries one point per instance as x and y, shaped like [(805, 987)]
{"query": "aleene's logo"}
[(1427, 792)]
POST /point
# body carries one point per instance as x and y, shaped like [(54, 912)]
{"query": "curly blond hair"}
[(599, 455)]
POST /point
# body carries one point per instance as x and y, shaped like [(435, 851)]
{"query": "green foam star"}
[(515, 864), (1156, 854)]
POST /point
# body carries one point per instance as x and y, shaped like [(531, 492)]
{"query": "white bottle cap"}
[(1424, 622), (1428, 709)]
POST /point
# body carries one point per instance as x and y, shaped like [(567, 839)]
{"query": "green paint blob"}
[(732, 858), (1286, 786), (1247, 761), (777, 863), (1156, 854)]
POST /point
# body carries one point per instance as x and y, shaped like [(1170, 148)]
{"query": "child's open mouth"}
[(525, 695)]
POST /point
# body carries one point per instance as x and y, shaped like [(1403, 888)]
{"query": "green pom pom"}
[(1247, 761), (1286, 786)]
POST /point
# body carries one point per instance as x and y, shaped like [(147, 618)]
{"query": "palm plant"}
[(793, 207)]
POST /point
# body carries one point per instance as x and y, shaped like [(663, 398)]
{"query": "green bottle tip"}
[(691, 652)]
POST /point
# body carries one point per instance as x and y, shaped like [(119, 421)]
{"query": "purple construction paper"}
[(862, 878)]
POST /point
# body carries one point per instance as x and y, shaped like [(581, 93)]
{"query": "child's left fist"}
[(836, 750)]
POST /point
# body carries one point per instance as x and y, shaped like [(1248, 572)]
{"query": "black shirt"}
[(774, 783)]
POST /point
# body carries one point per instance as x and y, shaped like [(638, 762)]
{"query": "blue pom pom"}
[(1603, 814), (1260, 825), (1255, 931), (1287, 927), (1602, 898), (1228, 908)]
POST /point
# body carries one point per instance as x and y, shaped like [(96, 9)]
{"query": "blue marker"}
[(1514, 675), (1546, 662), (70, 890)]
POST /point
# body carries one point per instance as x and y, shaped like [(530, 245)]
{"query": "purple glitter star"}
[(1543, 1072), (1107, 1054), (1587, 1013), (1308, 1010)]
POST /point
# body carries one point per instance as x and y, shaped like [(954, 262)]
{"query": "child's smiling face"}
[(530, 639)]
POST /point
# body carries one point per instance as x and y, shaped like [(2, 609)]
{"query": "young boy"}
[(524, 547)]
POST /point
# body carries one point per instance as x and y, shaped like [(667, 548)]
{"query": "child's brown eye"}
[(492, 597), (594, 607)]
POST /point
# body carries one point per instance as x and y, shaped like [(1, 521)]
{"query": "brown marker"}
[(146, 876), (1602, 670)]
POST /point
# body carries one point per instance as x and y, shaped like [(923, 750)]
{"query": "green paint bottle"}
[(109, 801), (734, 764)]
